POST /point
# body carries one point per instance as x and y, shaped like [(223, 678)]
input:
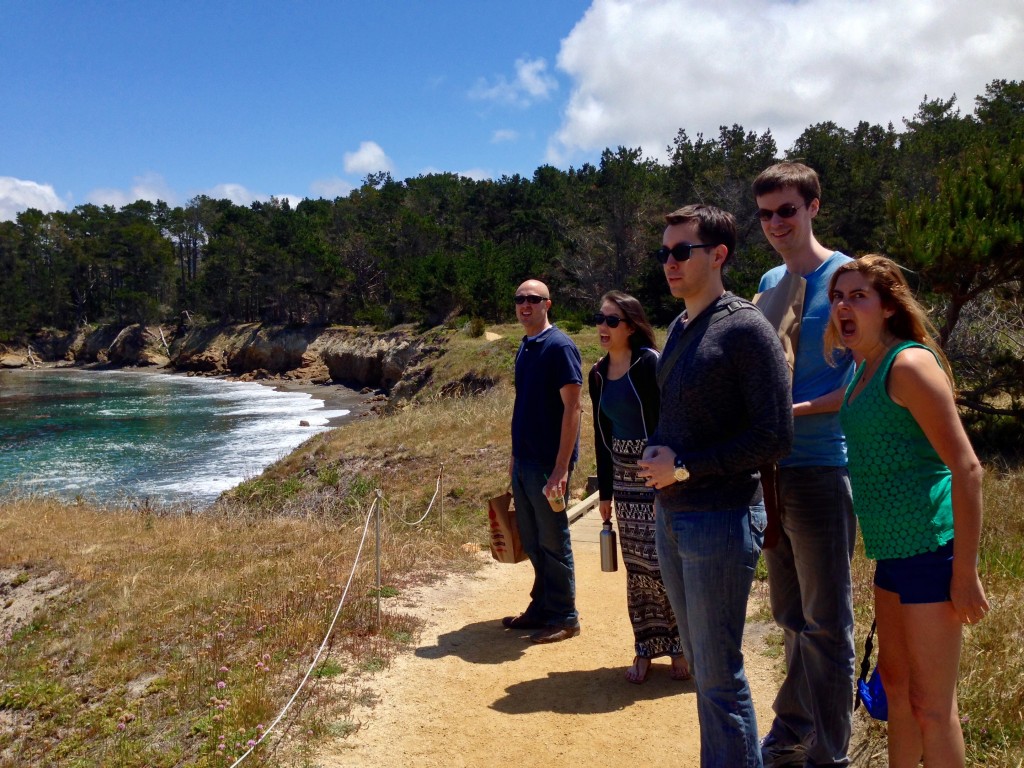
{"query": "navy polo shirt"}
[(544, 364)]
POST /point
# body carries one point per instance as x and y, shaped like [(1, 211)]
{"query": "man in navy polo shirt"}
[(545, 446)]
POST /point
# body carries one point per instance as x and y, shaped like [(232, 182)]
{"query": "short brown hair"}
[(713, 224), (788, 174)]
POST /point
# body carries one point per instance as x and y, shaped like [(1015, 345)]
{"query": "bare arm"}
[(919, 385), (570, 394), (829, 403)]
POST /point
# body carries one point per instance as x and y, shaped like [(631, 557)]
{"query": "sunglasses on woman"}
[(787, 211), (612, 321)]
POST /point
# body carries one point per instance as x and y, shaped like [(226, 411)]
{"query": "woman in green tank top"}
[(917, 493)]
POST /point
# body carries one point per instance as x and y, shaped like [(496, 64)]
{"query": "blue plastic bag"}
[(872, 694), (869, 688)]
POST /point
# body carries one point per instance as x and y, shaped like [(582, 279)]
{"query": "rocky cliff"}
[(394, 361)]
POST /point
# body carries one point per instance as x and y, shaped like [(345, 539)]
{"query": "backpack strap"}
[(704, 321)]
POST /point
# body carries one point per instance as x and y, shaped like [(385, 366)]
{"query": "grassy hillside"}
[(167, 640)]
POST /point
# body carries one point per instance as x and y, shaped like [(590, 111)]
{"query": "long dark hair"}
[(643, 334)]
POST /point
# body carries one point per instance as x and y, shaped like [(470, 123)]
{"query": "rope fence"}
[(374, 513)]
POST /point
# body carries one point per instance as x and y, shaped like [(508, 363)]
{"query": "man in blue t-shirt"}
[(809, 565), (545, 446)]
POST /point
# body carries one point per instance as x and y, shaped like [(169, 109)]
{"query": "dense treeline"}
[(943, 196)]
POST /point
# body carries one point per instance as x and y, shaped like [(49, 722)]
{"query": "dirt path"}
[(469, 686)]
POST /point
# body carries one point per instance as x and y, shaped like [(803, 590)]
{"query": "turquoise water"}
[(120, 436)]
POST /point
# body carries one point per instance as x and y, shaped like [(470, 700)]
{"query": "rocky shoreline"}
[(354, 369)]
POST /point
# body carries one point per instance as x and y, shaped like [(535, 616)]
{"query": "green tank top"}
[(901, 488)]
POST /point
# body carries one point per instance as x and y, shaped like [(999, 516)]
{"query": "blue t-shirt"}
[(817, 439), (544, 364)]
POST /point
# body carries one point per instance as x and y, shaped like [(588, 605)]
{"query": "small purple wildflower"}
[(221, 685)]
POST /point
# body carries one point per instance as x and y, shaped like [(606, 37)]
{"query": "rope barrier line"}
[(330, 630), (437, 490), (366, 527)]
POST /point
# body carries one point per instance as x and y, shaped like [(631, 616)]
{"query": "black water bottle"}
[(609, 548)]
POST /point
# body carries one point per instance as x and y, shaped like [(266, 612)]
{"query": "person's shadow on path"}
[(483, 642), (583, 691), (588, 692)]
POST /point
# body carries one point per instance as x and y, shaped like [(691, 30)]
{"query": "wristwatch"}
[(681, 474)]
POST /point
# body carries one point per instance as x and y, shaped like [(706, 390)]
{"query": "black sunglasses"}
[(612, 321), (522, 298), (787, 211), (679, 251)]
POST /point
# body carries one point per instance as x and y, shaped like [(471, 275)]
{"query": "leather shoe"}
[(555, 634), (522, 621)]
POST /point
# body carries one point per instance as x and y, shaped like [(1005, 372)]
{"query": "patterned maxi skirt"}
[(654, 623)]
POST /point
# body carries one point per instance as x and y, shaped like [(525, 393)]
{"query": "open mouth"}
[(605, 338), (847, 328)]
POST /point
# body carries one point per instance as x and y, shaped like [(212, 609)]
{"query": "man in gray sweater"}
[(726, 409)]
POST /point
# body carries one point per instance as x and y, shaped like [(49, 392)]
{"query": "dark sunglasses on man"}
[(522, 298), (612, 321), (787, 211), (679, 251)]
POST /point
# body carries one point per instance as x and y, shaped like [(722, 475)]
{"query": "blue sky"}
[(107, 102)]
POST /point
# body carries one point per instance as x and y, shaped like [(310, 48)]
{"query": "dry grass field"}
[(132, 637)]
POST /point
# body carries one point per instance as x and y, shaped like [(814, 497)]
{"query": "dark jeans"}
[(545, 537), (812, 601)]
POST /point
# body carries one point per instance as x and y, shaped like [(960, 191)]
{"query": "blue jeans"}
[(707, 563), (545, 538), (812, 600)]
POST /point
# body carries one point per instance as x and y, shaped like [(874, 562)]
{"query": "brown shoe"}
[(555, 634), (522, 621)]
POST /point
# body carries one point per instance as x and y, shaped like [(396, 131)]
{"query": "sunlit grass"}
[(179, 636)]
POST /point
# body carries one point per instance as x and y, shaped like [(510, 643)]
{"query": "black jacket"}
[(642, 379)]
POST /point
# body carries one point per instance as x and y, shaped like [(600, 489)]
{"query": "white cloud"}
[(293, 200), (331, 188), (17, 195), (503, 135), (643, 69), (369, 158), (532, 83), (477, 174), (236, 193), (149, 186)]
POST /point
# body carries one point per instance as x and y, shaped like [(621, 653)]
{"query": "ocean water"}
[(123, 436)]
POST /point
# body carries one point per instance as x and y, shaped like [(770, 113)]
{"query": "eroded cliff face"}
[(391, 360)]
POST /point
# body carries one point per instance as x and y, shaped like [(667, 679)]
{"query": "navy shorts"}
[(922, 578)]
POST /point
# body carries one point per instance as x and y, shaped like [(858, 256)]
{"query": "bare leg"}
[(919, 655)]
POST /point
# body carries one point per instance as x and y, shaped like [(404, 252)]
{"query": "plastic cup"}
[(556, 500)]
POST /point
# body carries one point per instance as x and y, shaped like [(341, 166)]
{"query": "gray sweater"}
[(726, 407)]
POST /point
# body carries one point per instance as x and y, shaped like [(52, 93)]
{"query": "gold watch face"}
[(681, 474)]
